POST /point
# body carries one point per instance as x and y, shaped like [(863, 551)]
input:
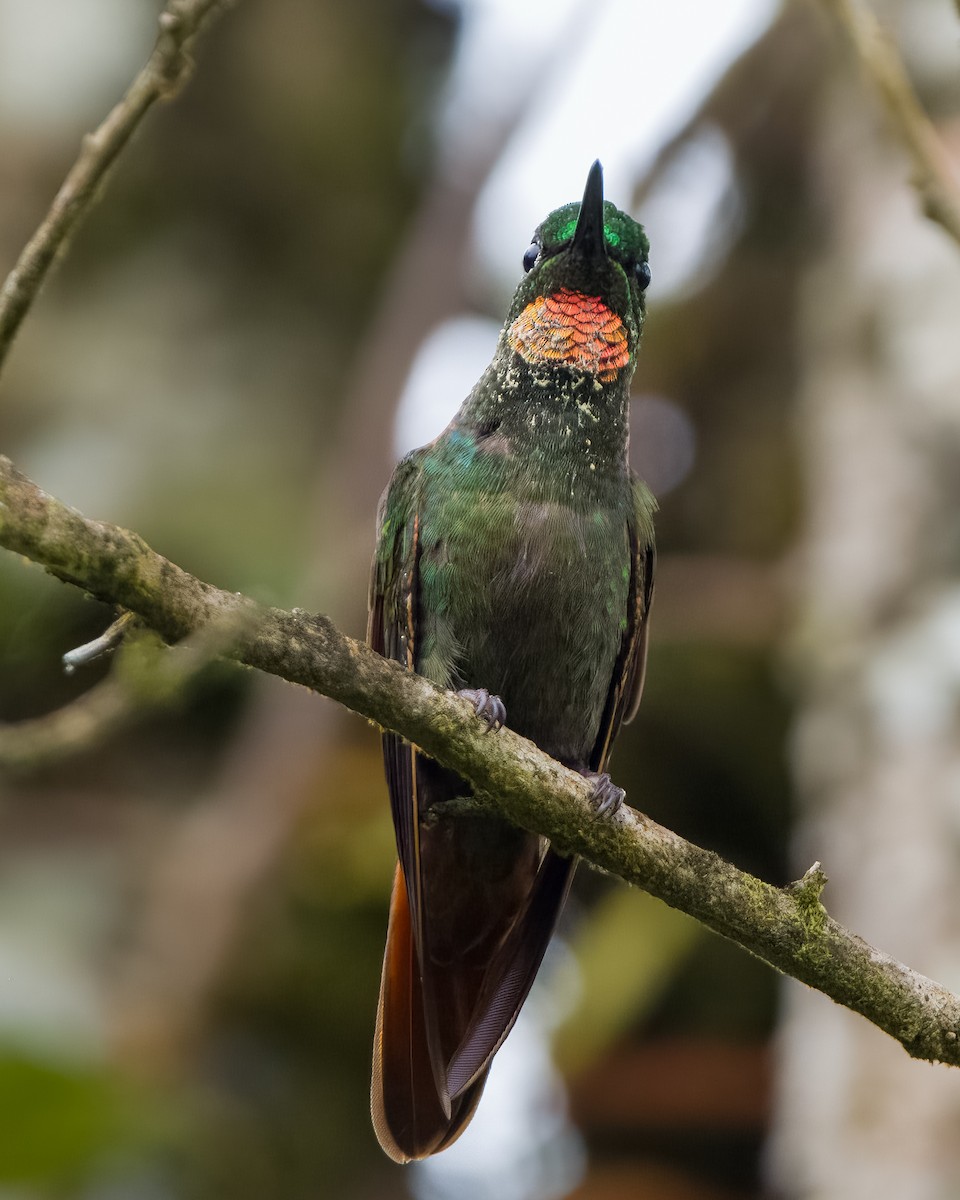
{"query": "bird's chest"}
[(527, 598)]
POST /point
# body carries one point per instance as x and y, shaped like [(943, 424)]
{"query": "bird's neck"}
[(564, 431)]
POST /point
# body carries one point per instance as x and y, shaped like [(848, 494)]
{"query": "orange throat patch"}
[(572, 330)]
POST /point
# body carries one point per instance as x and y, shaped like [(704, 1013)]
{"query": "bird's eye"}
[(530, 256), (642, 272)]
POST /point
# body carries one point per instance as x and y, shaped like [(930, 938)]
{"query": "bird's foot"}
[(490, 709), (607, 797)]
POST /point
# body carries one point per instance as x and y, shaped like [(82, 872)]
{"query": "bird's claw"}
[(490, 709), (607, 798)]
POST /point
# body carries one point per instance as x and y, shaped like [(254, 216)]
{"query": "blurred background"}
[(295, 274)]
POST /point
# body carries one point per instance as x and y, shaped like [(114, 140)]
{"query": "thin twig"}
[(786, 927), (109, 640), (161, 77), (74, 729), (147, 677), (934, 176)]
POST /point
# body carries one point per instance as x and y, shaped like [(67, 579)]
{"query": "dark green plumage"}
[(515, 555)]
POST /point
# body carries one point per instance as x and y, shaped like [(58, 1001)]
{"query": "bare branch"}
[(84, 724), (104, 644), (160, 78), (146, 677), (787, 928), (934, 176)]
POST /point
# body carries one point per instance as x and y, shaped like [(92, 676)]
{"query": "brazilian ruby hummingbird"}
[(514, 564)]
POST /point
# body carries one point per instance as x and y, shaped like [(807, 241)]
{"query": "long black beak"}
[(588, 240)]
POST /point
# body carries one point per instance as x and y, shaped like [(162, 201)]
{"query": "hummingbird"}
[(514, 564)]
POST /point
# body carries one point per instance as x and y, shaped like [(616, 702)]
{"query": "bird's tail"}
[(413, 1116)]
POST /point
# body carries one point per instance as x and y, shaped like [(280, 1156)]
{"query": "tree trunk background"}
[(876, 653)]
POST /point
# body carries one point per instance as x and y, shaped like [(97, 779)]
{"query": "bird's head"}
[(580, 305)]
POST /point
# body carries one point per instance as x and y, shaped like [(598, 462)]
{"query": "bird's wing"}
[(626, 684), (423, 1008), (510, 975), (408, 1096), (391, 631)]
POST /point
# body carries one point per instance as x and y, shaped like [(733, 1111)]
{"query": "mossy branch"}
[(161, 77), (786, 927)]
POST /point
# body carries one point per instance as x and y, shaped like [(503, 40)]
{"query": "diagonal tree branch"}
[(161, 77), (786, 927)]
